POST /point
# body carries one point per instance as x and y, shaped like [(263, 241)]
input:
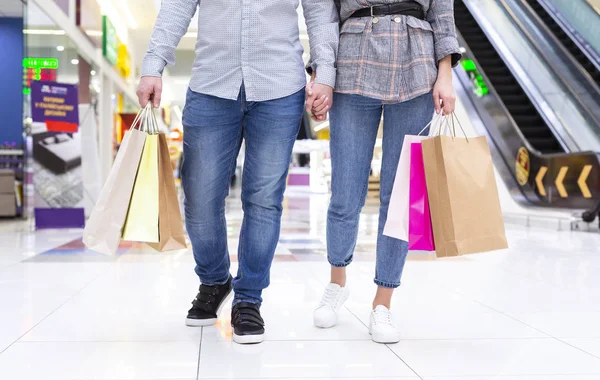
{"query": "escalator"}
[(566, 40), (524, 113), (537, 167)]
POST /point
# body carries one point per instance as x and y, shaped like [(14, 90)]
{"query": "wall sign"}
[(57, 173), (109, 41), (55, 104), (44, 69)]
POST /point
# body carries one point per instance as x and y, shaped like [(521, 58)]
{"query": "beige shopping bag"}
[(102, 231), (463, 196), (170, 228)]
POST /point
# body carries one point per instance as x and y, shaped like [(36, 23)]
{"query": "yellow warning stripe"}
[(582, 181), (538, 180), (559, 182)]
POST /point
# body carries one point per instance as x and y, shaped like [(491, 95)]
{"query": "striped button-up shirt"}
[(254, 42), (394, 58)]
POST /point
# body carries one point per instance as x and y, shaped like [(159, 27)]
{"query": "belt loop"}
[(372, 15)]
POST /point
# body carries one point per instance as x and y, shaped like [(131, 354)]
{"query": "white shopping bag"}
[(396, 225)]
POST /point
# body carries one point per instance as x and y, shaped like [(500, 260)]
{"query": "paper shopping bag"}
[(465, 209), (170, 228), (396, 225), (142, 217), (420, 232), (102, 231)]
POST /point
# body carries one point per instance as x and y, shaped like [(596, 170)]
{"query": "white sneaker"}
[(381, 327), (325, 315)]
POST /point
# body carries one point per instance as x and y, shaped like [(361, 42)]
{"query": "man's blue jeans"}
[(354, 124), (213, 132)]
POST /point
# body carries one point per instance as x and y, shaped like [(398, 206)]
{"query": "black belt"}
[(409, 8)]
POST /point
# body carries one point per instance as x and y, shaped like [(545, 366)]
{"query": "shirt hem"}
[(384, 99), (271, 96)]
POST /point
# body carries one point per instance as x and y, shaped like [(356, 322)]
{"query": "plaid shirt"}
[(395, 59)]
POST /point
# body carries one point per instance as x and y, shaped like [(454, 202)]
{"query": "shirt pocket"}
[(420, 36), (351, 39), (418, 61)]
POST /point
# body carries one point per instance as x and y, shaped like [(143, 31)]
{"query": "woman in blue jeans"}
[(395, 59)]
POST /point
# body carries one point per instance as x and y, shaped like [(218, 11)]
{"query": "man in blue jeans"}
[(247, 84)]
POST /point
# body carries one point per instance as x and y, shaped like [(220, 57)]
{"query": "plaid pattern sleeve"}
[(441, 18), (394, 58)]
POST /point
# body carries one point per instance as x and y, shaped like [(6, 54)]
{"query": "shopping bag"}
[(102, 231), (170, 227), (463, 196), (141, 223), (397, 222), (420, 232)]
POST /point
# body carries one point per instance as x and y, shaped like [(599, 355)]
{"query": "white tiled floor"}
[(529, 313)]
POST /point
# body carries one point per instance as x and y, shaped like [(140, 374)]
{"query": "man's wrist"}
[(325, 75), (152, 66)]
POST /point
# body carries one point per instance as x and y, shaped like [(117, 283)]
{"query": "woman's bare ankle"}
[(338, 276), (383, 297)]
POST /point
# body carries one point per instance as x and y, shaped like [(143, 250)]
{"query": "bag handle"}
[(441, 124), (436, 117), (146, 120), (138, 118)]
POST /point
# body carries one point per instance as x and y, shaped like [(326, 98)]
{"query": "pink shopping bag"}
[(420, 232)]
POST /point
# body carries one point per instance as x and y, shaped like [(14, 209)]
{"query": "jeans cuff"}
[(219, 282), (390, 285), (340, 265), (248, 300)]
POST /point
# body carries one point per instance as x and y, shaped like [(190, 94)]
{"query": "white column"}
[(105, 127)]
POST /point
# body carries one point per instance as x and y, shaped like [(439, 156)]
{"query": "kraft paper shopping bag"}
[(170, 227), (420, 231), (396, 225), (102, 232), (142, 217), (463, 196)]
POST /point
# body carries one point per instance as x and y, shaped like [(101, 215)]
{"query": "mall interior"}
[(528, 81)]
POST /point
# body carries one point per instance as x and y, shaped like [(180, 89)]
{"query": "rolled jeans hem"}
[(245, 299), (390, 285), (338, 265)]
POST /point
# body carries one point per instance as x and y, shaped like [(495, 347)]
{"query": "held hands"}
[(149, 89), (319, 98)]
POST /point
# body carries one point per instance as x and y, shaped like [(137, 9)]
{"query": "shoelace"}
[(329, 298), (382, 317)]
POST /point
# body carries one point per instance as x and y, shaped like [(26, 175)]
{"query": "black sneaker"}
[(208, 304), (248, 325)]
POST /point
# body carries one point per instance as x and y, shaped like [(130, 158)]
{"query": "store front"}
[(47, 173)]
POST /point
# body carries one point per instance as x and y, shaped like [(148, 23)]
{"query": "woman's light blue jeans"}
[(354, 123)]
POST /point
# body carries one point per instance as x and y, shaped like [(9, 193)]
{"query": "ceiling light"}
[(45, 32), (93, 72), (60, 48), (75, 61)]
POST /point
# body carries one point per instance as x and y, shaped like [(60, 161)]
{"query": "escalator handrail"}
[(567, 26), (592, 86), (544, 109)]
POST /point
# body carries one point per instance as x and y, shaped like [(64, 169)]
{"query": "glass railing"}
[(582, 18)]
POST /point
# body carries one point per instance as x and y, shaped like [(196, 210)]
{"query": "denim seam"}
[(343, 265), (384, 284)]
